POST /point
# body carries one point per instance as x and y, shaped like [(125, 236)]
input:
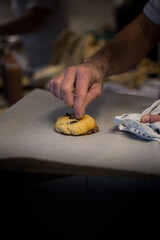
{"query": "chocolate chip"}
[(73, 122), (71, 116), (67, 114)]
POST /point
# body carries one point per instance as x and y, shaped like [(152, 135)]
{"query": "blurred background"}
[(38, 42)]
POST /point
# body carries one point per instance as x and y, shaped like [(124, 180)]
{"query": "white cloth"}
[(131, 123)]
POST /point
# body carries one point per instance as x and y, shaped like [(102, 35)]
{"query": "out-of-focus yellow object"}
[(72, 48), (3, 109), (137, 77)]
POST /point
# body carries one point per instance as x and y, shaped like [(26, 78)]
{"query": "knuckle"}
[(55, 84), (154, 118), (70, 69), (65, 89), (98, 93), (82, 70), (80, 95)]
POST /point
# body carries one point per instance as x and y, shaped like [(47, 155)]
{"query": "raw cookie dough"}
[(69, 125)]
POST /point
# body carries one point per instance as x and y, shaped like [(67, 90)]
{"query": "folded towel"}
[(132, 123)]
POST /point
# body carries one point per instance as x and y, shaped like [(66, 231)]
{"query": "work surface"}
[(29, 143)]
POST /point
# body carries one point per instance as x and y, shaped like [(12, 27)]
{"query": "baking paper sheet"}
[(29, 143)]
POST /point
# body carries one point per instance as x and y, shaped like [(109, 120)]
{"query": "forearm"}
[(127, 48), (17, 26), (119, 55), (24, 24)]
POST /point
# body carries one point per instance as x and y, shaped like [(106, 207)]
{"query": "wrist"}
[(100, 63)]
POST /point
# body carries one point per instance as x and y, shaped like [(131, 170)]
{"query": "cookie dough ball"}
[(69, 125)]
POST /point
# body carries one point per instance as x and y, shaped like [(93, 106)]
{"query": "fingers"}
[(67, 86), (55, 86), (94, 92), (88, 86), (150, 118), (62, 86), (81, 90)]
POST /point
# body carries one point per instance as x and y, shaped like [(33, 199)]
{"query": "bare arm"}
[(125, 50), (128, 47), (28, 22)]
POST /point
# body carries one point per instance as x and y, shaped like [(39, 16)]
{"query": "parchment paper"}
[(29, 143)]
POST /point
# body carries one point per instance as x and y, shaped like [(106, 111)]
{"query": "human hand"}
[(150, 118), (85, 80)]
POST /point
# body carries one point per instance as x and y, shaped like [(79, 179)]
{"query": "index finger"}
[(80, 96)]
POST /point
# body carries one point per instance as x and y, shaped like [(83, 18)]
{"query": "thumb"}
[(94, 92), (150, 118)]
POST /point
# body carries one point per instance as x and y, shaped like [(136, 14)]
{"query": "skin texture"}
[(88, 83), (123, 52), (150, 118)]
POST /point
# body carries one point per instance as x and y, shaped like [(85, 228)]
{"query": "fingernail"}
[(78, 116), (145, 118)]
